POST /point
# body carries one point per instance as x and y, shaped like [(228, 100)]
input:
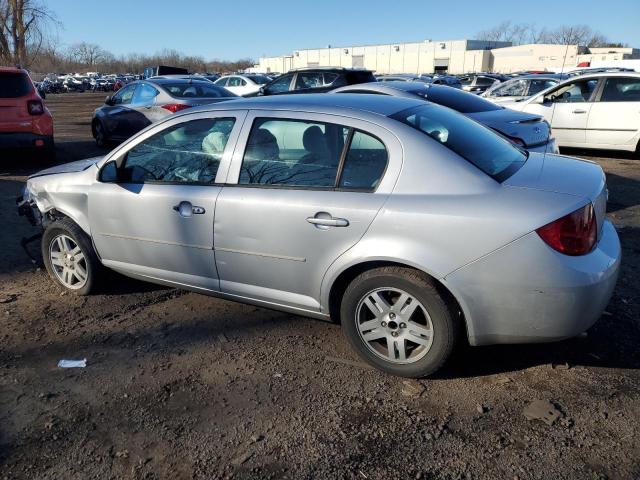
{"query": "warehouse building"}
[(449, 56)]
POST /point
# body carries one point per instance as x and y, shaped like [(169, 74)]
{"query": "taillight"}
[(175, 107), (35, 107), (574, 234)]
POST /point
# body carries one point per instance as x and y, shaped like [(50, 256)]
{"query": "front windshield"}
[(477, 144)]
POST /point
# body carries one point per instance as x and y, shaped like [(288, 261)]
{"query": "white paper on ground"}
[(73, 363)]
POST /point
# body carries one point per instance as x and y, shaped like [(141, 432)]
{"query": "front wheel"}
[(398, 322), (100, 134), (69, 257)]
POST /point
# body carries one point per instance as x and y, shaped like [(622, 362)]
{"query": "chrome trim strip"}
[(150, 240), (258, 254)]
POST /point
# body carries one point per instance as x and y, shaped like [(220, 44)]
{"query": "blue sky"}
[(246, 28)]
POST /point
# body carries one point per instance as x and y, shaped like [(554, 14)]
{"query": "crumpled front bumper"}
[(27, 208)]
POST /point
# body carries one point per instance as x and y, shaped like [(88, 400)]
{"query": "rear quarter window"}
[(481, 147), (14, 85)]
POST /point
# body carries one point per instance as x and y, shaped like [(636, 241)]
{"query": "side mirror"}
[(261, 91), (108, 173), (109, 100)]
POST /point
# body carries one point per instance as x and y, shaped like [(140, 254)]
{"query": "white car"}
[(243, 84), (591, 111), (520, 88)]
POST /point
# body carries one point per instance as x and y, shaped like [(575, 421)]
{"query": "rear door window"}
[(619, 89), (309, 80), (196, 90), (364, 164), (14, 85), (295, 153), (492, 154)]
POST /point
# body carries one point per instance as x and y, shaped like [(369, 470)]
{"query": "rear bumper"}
[(526, 292), (26, 140), (549, 147)]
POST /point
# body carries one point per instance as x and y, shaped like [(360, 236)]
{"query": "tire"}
[(100, 134), (427, 336), (60, 238)]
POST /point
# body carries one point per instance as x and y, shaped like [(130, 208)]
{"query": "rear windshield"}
[(196, 90), (492, 154), (13, 85), (457, 100)]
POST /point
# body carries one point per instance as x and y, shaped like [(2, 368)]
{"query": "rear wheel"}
[(69, 257), (397, 321)]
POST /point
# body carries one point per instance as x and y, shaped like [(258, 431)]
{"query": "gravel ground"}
[(179, 385)]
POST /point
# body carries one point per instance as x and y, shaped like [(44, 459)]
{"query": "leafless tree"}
[(25, 26), (526, 33), (89, 54)]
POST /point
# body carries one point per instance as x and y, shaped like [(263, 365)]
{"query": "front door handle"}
[(579, 111), (185, 209), (324, 220)]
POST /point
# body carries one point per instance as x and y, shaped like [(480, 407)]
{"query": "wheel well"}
[(343, 280)]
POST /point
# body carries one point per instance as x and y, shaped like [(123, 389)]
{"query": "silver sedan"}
[(407, 222)]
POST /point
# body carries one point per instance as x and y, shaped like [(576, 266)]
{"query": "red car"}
[(25, 122)]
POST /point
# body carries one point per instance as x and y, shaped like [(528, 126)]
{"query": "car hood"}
[(531, 129), (77, 166)]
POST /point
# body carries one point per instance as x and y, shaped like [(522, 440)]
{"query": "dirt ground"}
[(179, 385)]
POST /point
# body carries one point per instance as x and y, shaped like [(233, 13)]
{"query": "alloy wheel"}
[(68, 262), (394, 325)]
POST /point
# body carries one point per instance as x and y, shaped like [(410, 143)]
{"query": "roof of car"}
[(161, 80), (12, 70), (377, 104), (603, 74), (538, 76)]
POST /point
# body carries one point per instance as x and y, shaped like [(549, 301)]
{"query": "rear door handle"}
[(324, 220), (579, 111)]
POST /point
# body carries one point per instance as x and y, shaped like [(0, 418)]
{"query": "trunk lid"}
[(531, 129), (572, 176)]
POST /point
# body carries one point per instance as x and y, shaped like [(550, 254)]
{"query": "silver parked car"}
[(525, 130), (139, 104), (407, 222)]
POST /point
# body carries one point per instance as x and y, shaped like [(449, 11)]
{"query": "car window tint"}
[(145, 93), (280, 85), (292, 153), (480, 146), (456, 99), (536, 86), (309, 80), (14, 85), (187, 152), (621, 90), (365, 162), (198, 89), (575, 92), (329, 78)]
